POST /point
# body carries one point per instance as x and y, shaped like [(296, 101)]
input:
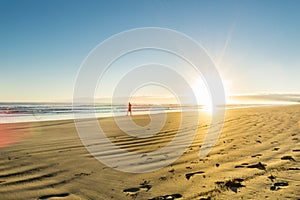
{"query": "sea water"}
[(33, 112)]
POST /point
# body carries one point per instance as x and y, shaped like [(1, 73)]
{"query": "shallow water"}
[(33, 112)]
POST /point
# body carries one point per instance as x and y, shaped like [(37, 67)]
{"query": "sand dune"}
[(257, 157)]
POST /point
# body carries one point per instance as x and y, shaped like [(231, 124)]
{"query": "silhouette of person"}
[(129, 109)]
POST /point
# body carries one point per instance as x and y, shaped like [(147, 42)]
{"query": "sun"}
[(202, 93), (208, 108)]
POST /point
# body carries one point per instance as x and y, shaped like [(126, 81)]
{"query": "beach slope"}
[(256, 157)]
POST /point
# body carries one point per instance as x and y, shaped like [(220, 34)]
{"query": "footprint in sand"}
[(233, 185), (281, 184), (256, 155), (133, 191), (290, 158), (259, 165), (278, 185), (241, 166), (82, 174), (293, 168), (44, 197), (205, 198), (189, 175), (163, 178), (271, 177), (167, 197)]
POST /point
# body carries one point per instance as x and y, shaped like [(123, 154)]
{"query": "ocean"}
[(33, 112)]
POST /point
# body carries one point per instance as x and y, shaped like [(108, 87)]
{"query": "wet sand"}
[(257, 157)]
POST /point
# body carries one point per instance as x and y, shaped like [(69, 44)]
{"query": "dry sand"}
[(257, 157)]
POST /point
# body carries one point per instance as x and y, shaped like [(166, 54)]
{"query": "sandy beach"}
[(257, 157)]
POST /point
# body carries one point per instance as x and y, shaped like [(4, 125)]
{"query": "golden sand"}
[(257, 157)]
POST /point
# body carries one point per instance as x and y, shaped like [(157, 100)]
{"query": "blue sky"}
[(255, 44)]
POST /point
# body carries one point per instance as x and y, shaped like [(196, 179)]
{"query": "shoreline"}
[(59, 117)]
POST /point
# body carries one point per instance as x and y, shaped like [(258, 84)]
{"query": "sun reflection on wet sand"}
[(9, 135)]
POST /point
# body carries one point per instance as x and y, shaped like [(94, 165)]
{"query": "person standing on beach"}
[(129, 109)]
